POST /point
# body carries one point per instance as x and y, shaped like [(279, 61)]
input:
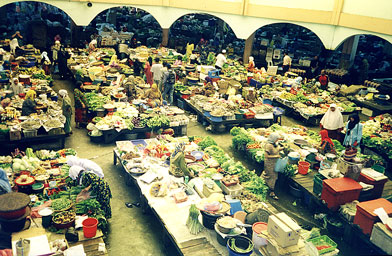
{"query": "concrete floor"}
[(133, 232)]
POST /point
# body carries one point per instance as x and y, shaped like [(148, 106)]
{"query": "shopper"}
[(286, 63), (323, 79), (5, 186), (62, 60), (80, 106), (137, 67), (55, 53), (220, 60), (193, 59), (154, 96), (156, 70), (93, 184), (251, 97), (271, 155), (67, 111), (45, 62), (326, 145), (169, 79), (314, 66), (332, 121), (353, 132), (251, 64), (147, 71), (92, 46)]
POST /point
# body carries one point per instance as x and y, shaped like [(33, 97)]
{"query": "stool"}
[(213, 73)]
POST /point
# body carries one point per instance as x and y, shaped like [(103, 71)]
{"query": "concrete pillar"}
[(350, 50), (248, 47), (165, 36)]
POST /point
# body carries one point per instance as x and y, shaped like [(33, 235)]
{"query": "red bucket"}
[(303, 167), (90, 227)]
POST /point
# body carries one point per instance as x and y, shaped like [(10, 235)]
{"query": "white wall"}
[(321, 5), (371, 8)]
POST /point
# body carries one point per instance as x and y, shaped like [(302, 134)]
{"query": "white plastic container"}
[(257, 240)]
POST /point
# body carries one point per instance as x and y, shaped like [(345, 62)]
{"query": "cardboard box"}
[(382, 237), (283, 229)]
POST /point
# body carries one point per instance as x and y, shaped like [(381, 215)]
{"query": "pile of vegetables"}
[(206, 142), (29, 162), (61, 204), (192, 222), (158, 121), (95, 101)]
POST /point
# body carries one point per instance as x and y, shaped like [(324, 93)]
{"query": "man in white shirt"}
[(156, 70), (220, 60), (286, 62)]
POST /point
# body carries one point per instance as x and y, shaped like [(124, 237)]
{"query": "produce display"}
[(377, 135), (61, 204)]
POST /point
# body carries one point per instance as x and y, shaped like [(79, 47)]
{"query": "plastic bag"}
[(83, 195), (281, 164)]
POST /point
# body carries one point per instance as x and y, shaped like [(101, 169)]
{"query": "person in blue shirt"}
[(353, 131)]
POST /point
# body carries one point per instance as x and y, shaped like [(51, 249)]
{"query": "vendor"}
[(29, 106), (154, 96), (251, 64), (16, 87), (80, 106), (327, 145), (137, 67), (67, 111), (94, 184), (271, 155), (353, 132), (5, 103), (55, 51), (220, 60), (323, 79), (251, 96), (194, 58), (92, 45), (5, 186), (332, 121), (147, 71)]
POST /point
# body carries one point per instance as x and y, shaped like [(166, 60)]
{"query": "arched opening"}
[(123, 24), (39, 23), (216, 34), (271, 41), (364, 56)]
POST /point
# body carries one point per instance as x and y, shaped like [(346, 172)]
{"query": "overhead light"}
[(89, 4)]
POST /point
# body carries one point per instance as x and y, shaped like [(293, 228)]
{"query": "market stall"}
[(48, 204)]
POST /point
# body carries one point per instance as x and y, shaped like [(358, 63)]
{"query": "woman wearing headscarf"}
[(326, 145), (86, 164), (154, 96), (332, 121), (45, 62), (94, 184), (353, 131), (80, 106), (251, 64), (16, 87), (55, 51), (67, 110), (29, 106), (147, 70), (271, 155), (5, 186), (92, 45)]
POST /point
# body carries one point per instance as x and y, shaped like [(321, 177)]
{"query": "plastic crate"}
[(365, 217), (30, 133), (234, 190), (376, 192), (324, 240), (55, 131), (339, 191)]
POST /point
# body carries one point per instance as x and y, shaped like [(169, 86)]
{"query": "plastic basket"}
[(324, 240), (30, 133)]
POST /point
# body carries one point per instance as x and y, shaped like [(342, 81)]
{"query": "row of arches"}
[(190, 28)]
